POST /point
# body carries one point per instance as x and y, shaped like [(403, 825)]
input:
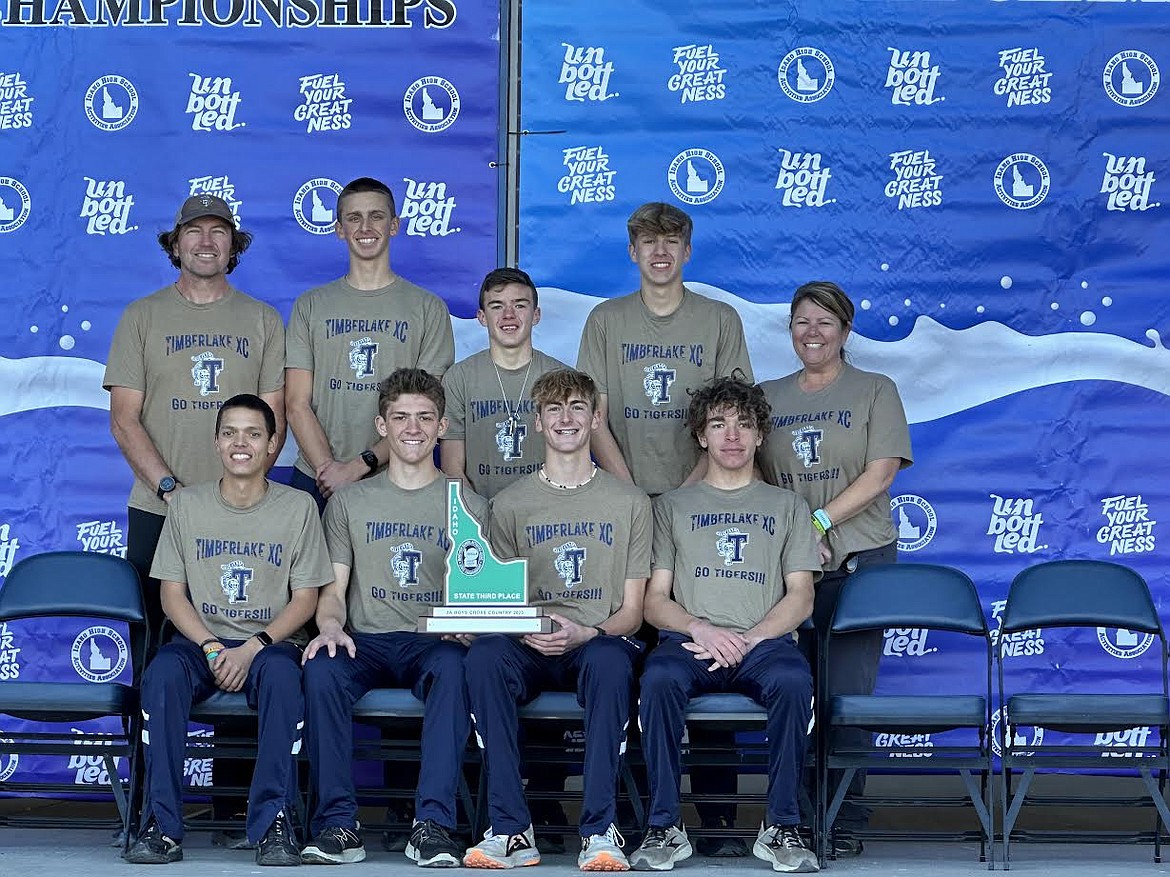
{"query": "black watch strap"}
[(370, 459), (264, 638)]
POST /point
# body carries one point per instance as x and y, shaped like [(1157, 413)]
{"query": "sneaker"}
[(154, 848), (603, 852), (278, 846), (431, 846), (335, 846), (661, 848), (503, 851), (846, 846), (783, 847), (721, 846)]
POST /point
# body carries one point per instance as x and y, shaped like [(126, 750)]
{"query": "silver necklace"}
[(513, 410), (551, 483)]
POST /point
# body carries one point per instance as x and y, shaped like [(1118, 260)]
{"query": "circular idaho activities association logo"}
[(1122, 643), (15, 204), (470, 557), (315, 205), (99, 654), (111, 103), (8, 763), (1131, 78), (915, 521), (696, 176), (1020, 741), (1022, 181), (431, 104), (806, 75)]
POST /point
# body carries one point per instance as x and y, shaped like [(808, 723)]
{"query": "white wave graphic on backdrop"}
[(939, 371)]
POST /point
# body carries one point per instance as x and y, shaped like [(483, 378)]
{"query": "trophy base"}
[(467, 621)]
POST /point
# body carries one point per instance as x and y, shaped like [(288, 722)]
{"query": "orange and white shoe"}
[(503, 851), (603, 852)]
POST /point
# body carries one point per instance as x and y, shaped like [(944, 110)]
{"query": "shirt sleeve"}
[(641, 538), (502, 532), (127, 360), (800, 552), (437, 352), (889, 434), (663, 547), (732, 353), (591, 354), (455, 387), (168, 565), (337, 538), (298, 343), (272, 365), (311, 567)]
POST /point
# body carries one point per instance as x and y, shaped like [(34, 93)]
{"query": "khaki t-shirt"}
[(729, 550), (498, 431), (646, 364), (350, 339), (188, 359), (395, 543), (821, 442), (581, 544), (241, 565)]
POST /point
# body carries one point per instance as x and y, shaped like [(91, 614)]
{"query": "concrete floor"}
[(85, 853)]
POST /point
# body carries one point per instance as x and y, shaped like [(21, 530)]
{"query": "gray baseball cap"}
[(198, 206)]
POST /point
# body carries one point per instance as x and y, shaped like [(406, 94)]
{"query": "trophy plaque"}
[(481, 593)]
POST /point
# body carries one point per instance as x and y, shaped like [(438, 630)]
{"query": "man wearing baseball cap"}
[(176, 356)]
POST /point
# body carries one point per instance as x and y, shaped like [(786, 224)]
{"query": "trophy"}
[(481, 593)]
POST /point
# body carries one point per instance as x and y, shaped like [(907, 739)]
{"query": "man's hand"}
[(231, 667), (824, 549), (725, 647), (570, 636), (702, 654), (330, 639), (464, 639), (332, 475)]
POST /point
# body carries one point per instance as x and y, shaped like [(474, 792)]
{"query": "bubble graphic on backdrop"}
[(1107, 301), (66, 342), (1005, 282), (1088, 318)]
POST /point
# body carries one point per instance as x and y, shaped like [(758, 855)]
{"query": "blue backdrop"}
[(104, 130), (984, 179)]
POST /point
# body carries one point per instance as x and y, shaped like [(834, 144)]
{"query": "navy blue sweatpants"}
[(433, 670), (180, 676), (774, 674), (503, 673)]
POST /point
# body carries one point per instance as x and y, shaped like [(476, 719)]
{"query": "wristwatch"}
[(370, 459), (167, 485), (265, 639)]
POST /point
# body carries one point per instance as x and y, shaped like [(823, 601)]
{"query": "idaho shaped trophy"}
[(481, 593)]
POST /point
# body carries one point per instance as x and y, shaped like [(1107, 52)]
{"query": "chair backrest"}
[(1080, 593), (72, 583), (909, 595)]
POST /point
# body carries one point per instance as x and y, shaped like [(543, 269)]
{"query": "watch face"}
[(167, 484), (370, 459)]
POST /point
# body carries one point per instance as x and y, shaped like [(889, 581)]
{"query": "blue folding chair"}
[(1082, 594), (924, 596), (76, 584)]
